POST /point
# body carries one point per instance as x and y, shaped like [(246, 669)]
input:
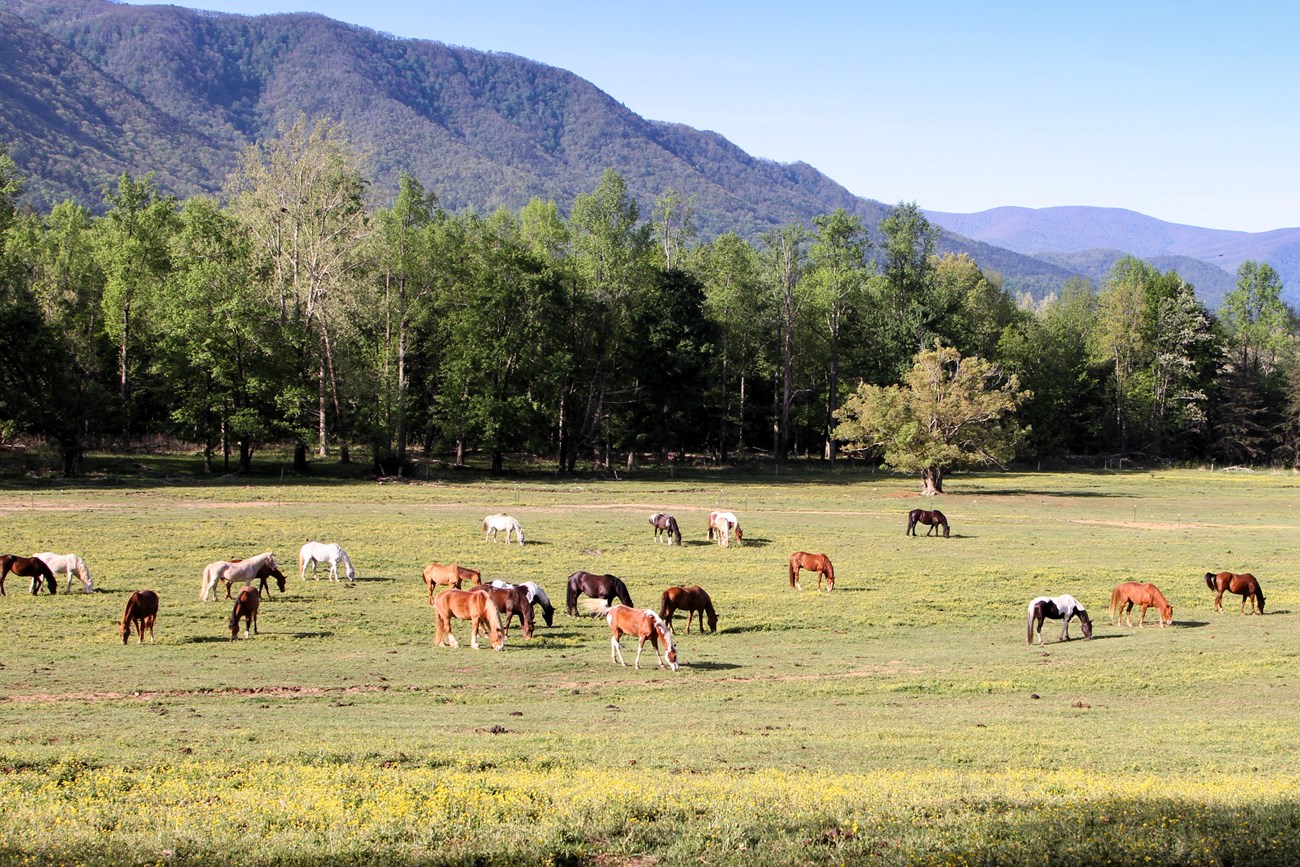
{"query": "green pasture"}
[(901, 718)]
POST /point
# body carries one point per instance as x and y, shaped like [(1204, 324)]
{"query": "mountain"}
[(1061, 235)]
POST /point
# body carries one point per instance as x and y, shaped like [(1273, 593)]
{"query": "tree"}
[(785, 260), (907, 305), (838, 276), (673, 229), (950, 411)]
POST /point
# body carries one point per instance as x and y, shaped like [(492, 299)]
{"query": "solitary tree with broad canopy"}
[(950, 411)]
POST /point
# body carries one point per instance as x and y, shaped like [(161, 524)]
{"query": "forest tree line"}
[(296, 311)]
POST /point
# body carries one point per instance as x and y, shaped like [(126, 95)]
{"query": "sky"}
[(1184, 110)]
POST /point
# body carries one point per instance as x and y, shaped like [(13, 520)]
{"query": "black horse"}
[(667, 526), (607, 587), (933, 519), (28, 567)]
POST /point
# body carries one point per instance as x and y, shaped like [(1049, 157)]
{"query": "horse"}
[(932, 518), (28, 567), (246, 609), (666, 526), (257, 568), (721, 524), (536, 596), (494, 523), (690, 600), (1056, 608), (142, 610), (448, 576), (69, 564), (1130, 593), (819, 563), (605, 587), (1244, 585), (644, 624), (510, 600), (317, 552), (467, 605)]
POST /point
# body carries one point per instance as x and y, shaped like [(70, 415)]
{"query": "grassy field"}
[(901, 718)]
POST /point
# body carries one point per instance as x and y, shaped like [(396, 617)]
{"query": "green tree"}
[(906, 304), (785, 262), (838, 277)]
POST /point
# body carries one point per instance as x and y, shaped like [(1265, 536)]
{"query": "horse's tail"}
[(794, 569), (595, 607), (571, 599), (442, 627), (663, 603), (1209, 580), (493, 615), (1029, 626), (1115, 600)]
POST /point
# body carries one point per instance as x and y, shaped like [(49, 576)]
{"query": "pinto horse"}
[(69, 564), (690, 600), (142, 610), (510, 600), (666, 526), (467, 605), (257, 568), (493, 524), (1130, 593), (314, 553), (645, 625), (436, 574), (536, 596), (819, 563), (721, 524), (932, 518), (1056, 608), (1244, 585), (606, 587), (245, 609), (28, 567)]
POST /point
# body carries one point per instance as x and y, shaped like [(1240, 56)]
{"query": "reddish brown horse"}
[(509, 602), (819, 563), (467, 605), (142, 610), (436, 574), (28, 567), (1244, 585), (932, 518), (1130, 593), (245, 609), (644, 624), (690, 600)]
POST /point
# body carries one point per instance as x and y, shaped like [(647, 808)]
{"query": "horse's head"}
[(1167, 615), (739, 536), (1085, 622), (713, 619), (526, 614), (279, 577), (666, 635)]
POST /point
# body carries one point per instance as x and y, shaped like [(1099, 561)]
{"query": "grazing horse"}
[(690, 600), (1244, 585), (28, 567), (436, 574), (467, 605), (819, 563), (314, 553), (494, 523), (644, 624), (536, 596), (69, 564), (142, 610), (721, 525), (510, 600), (1130, 593), (1056, 608), (246, 609), (666, 526), (932, 518), (257, 568), (605, 587)]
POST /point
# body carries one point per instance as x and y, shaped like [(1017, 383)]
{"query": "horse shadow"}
[(711, 666), (204, 639), (321, 634), (1190, 624), (754, 541)]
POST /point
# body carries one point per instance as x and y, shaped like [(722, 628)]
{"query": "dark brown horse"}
[(607, 587), (28, 567), (819, 563), (666, 526), (932, 518), (509, 601), (246, 609), (142, 610), (1244, 585), (690, 600)]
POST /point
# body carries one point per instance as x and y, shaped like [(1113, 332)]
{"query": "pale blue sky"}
[(1186, 111)]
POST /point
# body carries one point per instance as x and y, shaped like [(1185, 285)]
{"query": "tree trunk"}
[(497, 460), (931, 481), (832, 399), (245, 456), (300, 457)]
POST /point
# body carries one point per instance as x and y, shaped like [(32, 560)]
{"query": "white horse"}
[(721, 525), (318, 552), (536, 596), (70, 564), (223, 570), (1061, 608), (494, 523)]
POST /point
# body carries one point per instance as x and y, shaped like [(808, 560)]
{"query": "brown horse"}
[(1244, 585), (1131, 593), (142, 610), (28, 567), (607, 587), (245, 609), (932, 518), (510, 601), (467, 605), (436, 574), (690, 600), (644, 624), (819, 563)]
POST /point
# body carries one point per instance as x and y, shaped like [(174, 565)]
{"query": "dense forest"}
[(294, 310)]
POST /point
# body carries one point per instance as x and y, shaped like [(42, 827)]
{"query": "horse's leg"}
[(1142, 621), (640, 645), (797, 585), (1218, 603), (616, 651), (690, 612), (473, 631)]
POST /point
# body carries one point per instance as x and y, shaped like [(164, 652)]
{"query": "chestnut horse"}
[(448, 576), (245, 609), (933, 519), (1131, 593), (605, 587), (1061, 608), (819, 563), (666, 526), (1244, 585), (467, 605), (142, 610), (644, 624), (28, 567), (690, 600), (510, 601), (721, 524)]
